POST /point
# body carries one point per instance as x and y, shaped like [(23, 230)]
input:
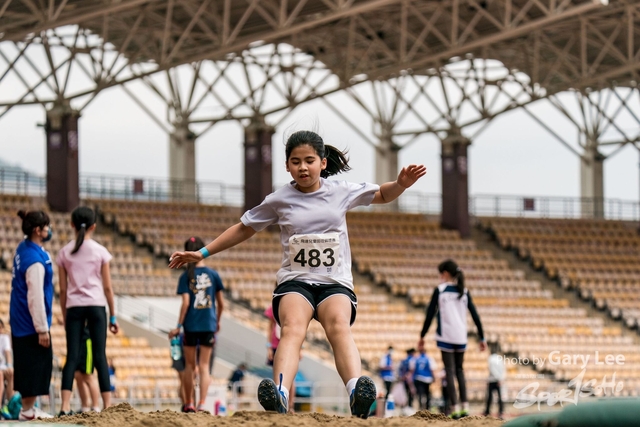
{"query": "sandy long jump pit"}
[(123, 415)]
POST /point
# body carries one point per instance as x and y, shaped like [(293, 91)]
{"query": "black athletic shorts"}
[(205, 339), (32, 366), (314, 294)]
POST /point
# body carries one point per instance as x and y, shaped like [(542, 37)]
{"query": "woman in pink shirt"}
[(85, 289)]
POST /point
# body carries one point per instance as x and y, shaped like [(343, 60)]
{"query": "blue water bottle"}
[(176, 348)]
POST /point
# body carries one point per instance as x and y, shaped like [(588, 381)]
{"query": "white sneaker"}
[(32, 414)]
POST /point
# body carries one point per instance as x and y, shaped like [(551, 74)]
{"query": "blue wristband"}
[(113, 320), (204, 252)]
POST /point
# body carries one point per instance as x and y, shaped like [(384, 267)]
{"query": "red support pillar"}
[(455, 184), (63, 190), (258, 181)]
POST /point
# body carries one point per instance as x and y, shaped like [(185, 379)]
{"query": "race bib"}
[(315, 253)]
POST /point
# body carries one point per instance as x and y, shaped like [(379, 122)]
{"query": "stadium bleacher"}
[(598, 259)]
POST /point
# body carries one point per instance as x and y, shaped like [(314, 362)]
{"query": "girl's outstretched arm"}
[(389, 191), (230, 237)]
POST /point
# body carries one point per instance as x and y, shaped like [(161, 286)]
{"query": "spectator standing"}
[(30, 313)]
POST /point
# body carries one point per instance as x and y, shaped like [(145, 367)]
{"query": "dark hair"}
[(452, 268), (337, 161), (192, 244), (82, 218), (32, 220)]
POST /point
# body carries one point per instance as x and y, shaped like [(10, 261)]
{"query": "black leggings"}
[(95, 317), (453, 368), (422, 392)]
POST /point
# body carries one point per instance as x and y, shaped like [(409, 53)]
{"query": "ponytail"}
[(82, 218), (337, 161), (79, 238), (455, 272), (460, 283), (192, 244)]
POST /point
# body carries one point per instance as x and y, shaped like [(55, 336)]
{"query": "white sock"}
[(465, 406), (96, 409), (456, 407), (85, 409), (351, 385), (284, 390)]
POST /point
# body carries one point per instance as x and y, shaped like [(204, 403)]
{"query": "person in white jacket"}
[(496, 376)]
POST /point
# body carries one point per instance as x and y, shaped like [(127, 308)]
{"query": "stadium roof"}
[(560, 44)]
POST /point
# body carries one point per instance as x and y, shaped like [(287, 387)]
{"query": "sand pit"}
[(124, 415)]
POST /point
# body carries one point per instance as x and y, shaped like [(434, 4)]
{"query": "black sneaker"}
[(362, 397), (271, 398), (65, 414)]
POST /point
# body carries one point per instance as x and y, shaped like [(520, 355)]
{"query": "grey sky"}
[(514, 155)]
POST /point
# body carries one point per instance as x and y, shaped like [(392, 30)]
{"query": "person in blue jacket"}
[(386, 371), (423, 377), (30, 311)]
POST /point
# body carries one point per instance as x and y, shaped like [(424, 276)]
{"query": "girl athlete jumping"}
[(314, 280)]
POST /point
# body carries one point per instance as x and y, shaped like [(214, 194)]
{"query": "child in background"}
[(451, 300), (85, 290), (423, 376), (496, 376), (200, 313), (386, 370)]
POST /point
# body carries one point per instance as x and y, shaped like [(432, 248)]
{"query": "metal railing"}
[(146, 314), (94, 186), (22, 183), (553, 207)]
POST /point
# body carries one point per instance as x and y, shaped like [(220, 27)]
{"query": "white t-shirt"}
[(496, 368), (313, 229), (5, 344)]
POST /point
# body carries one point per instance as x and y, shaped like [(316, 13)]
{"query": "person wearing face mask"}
[(30, 311), (386, 370)]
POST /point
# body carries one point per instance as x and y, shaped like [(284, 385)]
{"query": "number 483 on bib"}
[(315, 253)]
